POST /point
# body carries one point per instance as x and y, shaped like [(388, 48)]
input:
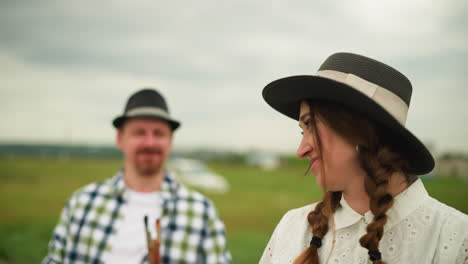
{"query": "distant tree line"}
[(58, 151), (90, 151), (93, 151)]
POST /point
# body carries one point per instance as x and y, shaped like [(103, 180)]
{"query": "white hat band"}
[(148, 111), (385, 98)]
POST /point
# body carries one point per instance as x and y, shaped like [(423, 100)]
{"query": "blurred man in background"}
[(120, 219)]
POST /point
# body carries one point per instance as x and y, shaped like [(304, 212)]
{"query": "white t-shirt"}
[(128, 245), (419, 230)]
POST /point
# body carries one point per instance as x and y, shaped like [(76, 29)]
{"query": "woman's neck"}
[(358, 199)]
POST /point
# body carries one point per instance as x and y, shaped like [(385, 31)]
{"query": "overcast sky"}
[(68, 67)]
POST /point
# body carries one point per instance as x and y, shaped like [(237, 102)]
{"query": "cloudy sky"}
[(67, 67)]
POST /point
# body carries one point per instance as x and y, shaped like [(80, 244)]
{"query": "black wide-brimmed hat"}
[(146, 103), (364, 85)]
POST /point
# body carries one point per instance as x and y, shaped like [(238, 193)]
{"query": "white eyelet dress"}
[(419, 230)]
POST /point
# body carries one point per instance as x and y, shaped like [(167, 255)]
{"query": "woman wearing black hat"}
[(375, 209)]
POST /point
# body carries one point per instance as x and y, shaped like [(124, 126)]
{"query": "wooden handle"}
[(154, 255)]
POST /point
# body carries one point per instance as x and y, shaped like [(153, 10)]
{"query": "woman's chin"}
[(319, 182)]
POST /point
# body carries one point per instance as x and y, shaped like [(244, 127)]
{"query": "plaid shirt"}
[(191, 231)]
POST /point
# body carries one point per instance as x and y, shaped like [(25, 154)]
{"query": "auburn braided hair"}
[(379, 156)]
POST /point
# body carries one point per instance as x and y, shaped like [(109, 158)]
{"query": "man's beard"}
[(149, 168)]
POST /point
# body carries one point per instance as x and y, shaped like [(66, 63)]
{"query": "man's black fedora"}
[(362, 84), (146, 103)]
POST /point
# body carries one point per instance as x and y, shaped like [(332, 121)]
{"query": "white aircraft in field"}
[(195, 174)]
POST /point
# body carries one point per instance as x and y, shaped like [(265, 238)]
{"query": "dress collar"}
[(404, 203), (345, 216)]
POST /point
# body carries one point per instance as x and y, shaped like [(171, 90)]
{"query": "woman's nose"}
[(304, 148)]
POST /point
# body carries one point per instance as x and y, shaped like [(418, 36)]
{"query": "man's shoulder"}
[(185, 193), (181, 191), (191, 201), (94, 189)]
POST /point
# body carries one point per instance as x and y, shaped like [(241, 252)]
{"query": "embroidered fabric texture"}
[(421, 230)]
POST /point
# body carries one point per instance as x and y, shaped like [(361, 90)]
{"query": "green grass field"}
[(33, 191)]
